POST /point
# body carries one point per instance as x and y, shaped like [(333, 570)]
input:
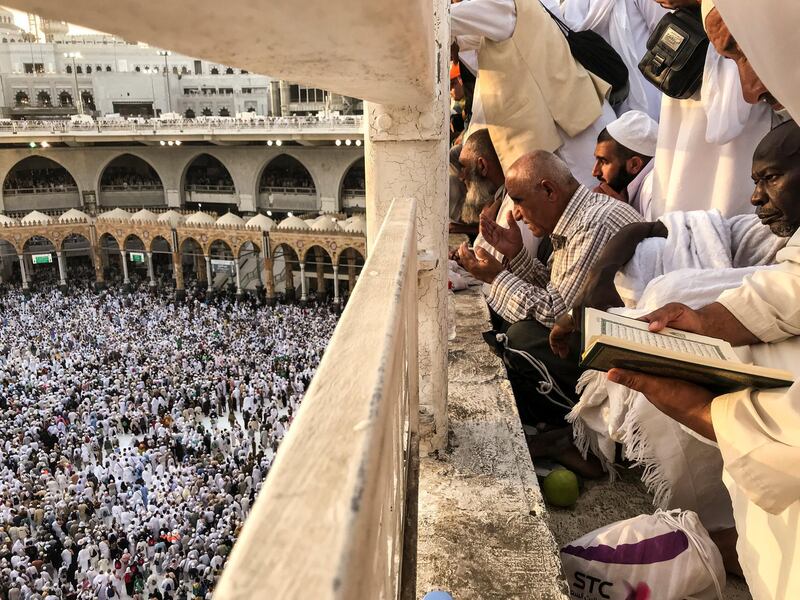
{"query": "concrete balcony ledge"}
[(483, 529)]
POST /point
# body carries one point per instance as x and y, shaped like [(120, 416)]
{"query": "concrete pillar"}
[(151, 273), (284, 92), (335, 284), (23, 273), (209, 276), (62, 270), (303, 293), (125, 279), (401, 143), (247, 205), (274, 98)]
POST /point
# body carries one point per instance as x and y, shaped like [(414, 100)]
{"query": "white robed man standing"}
[(530, 92)]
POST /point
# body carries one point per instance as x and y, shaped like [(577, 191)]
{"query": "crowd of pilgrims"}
[(137, 433)]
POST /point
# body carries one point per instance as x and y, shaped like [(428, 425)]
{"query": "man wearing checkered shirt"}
[(529, 295)]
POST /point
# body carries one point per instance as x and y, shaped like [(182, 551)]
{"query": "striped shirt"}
[(529, 289)]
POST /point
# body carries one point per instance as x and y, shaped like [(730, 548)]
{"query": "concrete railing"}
[(329, 521)]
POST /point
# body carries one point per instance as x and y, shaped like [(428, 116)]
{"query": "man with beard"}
[(624, 160), (757, 431), (486, 191)]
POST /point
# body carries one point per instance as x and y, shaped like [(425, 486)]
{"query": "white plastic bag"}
[(664, 556)]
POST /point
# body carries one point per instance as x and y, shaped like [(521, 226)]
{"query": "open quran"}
[(613, 341)]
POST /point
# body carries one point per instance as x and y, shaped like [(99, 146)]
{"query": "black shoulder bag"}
[(599, 57), (676, 54)]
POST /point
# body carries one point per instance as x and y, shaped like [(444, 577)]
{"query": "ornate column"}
[(321, 289), (406, 157), (269, 281), (99, 278), (289, 279), (303, 293), (199, 268), (209, 275), (62, 271), (151, 273), (336, 284), (125, 279), (22, 272), (351, 272), (238, 277), (177, 267)]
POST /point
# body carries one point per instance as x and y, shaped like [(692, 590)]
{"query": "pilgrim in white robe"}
[(625, 25), (472, 20), (706, 144), (758, 433)]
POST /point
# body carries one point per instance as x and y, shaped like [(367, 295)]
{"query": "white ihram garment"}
[(705, 146)]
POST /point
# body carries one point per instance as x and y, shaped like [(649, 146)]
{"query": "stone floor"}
[(482, 524), (483, 528)]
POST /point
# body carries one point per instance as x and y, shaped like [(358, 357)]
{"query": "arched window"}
[(174, 70), (22, 99), (138, 69), (108, 68), (228, 71), (88, 100), (69, 69), (99, 69), (88, 69), (189, 114), (79, 70), (215, 71), (65, 99), (224, 112), (184, 71), (44, 99), (206, 112)]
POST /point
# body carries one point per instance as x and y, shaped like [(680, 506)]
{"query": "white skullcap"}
[(636, 131)]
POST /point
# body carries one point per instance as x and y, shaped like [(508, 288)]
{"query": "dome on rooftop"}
[(144, 216), (263, 222), (35, 217), (230, 219), (200, 218), (173, 217), (325, 223), (293, 223), (357, 224), (117, 214), (73, 214)]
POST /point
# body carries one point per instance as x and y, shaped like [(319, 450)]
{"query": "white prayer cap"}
[(636, 131)]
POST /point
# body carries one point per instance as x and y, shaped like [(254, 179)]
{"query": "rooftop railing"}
[(344, 124), (333, 508)]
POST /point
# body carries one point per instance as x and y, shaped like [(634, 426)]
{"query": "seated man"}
[(483, 177), (529, 295), (624, 160)]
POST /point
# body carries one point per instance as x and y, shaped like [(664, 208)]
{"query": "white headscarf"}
[(768, 31)]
